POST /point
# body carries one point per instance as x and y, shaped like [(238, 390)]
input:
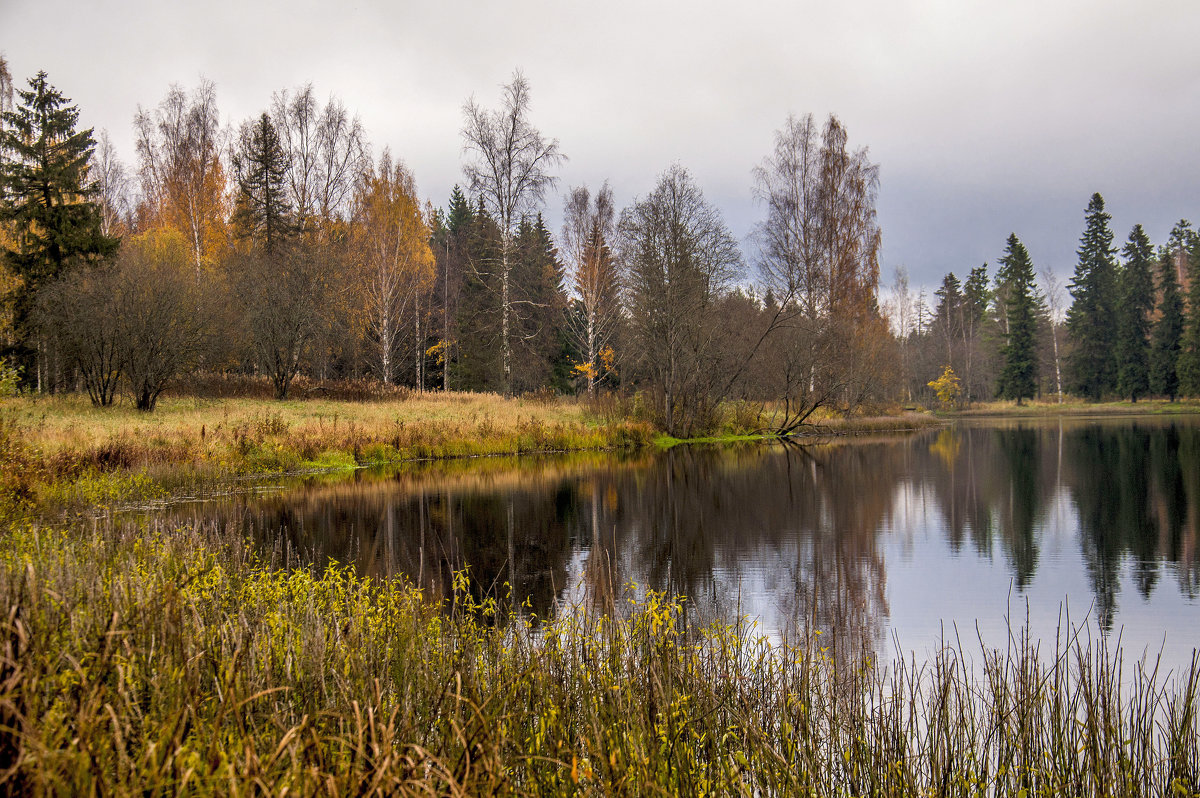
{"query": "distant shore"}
[(1074, 407)]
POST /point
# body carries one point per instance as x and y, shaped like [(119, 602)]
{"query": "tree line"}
[(285, 248), (1131, 329)]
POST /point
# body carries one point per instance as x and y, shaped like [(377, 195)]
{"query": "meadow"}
[(164, 659)]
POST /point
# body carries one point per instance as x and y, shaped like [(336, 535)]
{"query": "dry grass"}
[(1076, 407), (74, 455), (169, 661)]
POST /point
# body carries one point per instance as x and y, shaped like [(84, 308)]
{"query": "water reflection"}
[(797, 535)]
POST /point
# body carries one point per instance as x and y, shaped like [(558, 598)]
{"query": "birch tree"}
[(819, 258), (179, 159), (396, 263), (326, 151), (509, 167), (588, 229)]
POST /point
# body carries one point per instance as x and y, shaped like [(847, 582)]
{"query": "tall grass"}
[(165, 661), (67, 455)]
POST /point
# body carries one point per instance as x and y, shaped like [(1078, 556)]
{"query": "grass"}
[(1076, 407), (165, 661), (68, 455)]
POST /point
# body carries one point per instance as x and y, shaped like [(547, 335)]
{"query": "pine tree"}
[(1180, 247), (46, 199), (262, 212), (1092, 318), (1137, 303), (1168, 331), (1019, 374)]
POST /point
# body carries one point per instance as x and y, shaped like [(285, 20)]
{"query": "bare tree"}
[(170, 316), (818, 257), (113, 184), (80, 314), (138, 319), (326, 151), (179, 152), (587, 234), (509, 168), (284, 297), (680, 261)]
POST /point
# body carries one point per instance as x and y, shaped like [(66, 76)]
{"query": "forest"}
[(289, 248)]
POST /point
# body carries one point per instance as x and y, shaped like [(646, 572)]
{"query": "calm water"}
[(897, 539)]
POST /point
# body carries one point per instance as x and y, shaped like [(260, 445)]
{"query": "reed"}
[(163, 661)]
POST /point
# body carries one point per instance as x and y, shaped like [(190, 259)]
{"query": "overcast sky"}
[(985, 117)]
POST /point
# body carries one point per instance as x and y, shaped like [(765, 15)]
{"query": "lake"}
[(899, 540)]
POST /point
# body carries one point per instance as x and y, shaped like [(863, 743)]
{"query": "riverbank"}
[(170, 660), (1073, 407), (61, 454)]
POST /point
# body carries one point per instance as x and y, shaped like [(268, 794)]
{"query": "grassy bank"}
[(170, 661), (1074, 407), (62, 454), (66, 454)]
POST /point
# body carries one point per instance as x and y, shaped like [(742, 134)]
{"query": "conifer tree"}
[(1133, 335), (1018, 376), (449, 248), (1091, 320), (262, 212), (1180, 249), (1168, 331), (947, 316), (46, 198), (478, 365), (539, 310), (977, 296)]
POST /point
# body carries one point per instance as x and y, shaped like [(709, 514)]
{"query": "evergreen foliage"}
[(1018, 376), (1137, 303), (1181, 248), (1168, 331), (1092, 318), (46, 198), (262, 212), (540, 358), (947, 316), (478, 366)]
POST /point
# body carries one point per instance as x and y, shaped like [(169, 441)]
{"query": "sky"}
[(986, 118)]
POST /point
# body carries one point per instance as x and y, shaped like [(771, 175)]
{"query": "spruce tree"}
[(977, 296), (947, 316), (1092, 318), (478, 365), (1019, 374), (262, 212), (537, 276), (1133, 334), (1180, 247), (1168, 330), (46, 199)]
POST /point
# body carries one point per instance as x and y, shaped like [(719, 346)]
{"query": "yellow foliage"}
[(948, 387)]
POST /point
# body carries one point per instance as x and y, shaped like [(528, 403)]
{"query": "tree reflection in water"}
[(794, 534)]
